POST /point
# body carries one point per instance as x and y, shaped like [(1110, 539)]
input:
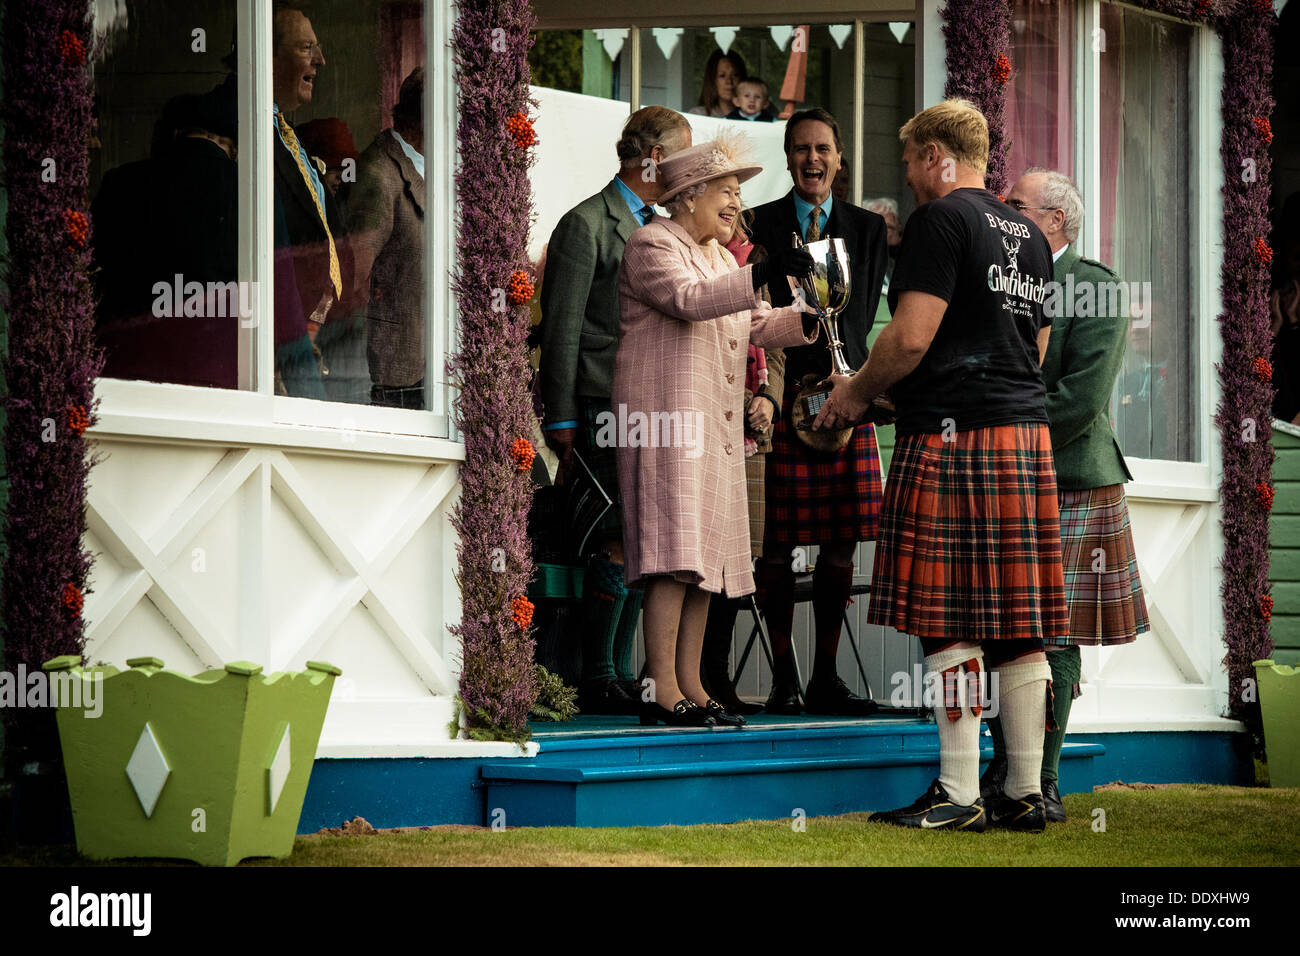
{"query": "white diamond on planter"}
[(147, 770), (278, 772)]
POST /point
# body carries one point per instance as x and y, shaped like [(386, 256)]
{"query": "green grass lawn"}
[(1165, 826)]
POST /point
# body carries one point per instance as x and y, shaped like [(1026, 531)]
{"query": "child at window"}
[(751, 102)]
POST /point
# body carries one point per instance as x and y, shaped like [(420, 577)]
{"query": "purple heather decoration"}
[(52, 359), (497, 683), (1246, 28), (974, 33)]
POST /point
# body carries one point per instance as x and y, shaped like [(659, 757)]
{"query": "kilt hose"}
[(1102, 587), (969, 546), (603, 462), (818, 498)]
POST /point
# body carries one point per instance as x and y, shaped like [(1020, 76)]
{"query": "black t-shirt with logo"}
[(992, 266)]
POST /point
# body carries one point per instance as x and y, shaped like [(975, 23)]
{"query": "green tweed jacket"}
[(1084, 354), (580, 302)]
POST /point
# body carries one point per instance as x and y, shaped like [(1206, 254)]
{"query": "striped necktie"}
[(814, 226), (291, 140)]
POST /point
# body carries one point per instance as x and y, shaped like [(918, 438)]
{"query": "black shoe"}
[(994, 779), (936, 811), (685, 713), (1053, 808), (784, 699), (722, 716), (605, 697), (832, 696), (719, 687), (1025, 814)]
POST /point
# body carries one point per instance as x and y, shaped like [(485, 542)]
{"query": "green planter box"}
[(211, 768), (1279, 704)]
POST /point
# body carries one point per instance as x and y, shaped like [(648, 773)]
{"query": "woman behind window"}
[(721, 74)]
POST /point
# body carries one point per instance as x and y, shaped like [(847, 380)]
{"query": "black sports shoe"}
[(936, 811), (1052, 805), (1025, 814), (995, 777)]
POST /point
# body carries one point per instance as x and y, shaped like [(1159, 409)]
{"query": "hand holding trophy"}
[(826, 292)]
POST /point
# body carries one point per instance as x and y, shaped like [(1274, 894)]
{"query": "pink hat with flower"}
[(724, 156)]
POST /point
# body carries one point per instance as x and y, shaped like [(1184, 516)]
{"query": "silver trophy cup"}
[(827, 291)]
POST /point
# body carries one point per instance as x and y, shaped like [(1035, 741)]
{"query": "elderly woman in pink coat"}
[(687, 316)]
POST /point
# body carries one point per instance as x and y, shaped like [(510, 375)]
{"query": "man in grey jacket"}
[(579, 340), (386, 216)]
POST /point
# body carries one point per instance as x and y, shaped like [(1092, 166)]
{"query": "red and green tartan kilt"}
[(1102, 587), (816, 498), (969, 546)]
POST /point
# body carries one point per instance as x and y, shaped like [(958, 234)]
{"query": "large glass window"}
[(1136, 140), (349, 317), (1146, 219)]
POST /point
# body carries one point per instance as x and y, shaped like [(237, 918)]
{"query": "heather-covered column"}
[(494, 410), (51, 363)]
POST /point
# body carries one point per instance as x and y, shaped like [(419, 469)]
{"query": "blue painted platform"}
[(622, 775), (608, 771)]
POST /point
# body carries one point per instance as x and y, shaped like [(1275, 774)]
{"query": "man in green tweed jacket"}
[(580, 320), (1090, 324)]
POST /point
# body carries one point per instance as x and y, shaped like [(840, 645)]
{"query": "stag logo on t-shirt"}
[(1012, 245)]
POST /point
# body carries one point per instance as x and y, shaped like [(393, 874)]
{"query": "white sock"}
[(1022, 708), (959, 740)]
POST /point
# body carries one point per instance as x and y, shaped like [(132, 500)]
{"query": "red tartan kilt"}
[(816, 498), (969, 545)]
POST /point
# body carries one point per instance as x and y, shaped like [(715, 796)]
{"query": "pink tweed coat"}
[(687, 314)]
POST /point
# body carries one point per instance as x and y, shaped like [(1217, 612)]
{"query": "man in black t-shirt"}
[(969, 554)]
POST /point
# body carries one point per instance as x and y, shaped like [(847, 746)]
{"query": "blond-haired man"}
[(969, 554)]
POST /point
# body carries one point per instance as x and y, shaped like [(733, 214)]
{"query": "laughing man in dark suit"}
[(831, 499)]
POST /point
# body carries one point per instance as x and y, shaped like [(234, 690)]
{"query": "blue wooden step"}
[(686, 777)]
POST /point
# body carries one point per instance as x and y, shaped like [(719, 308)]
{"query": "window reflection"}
[(348, 212), (165, 197)]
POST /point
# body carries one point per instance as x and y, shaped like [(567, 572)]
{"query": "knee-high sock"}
[(1066, 666), (959, 740), (1022, 708), (831, 584), (603, 596), (625, 637), (776, 582)]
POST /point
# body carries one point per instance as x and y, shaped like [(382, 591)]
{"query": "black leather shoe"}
[(784, 699), (721, 714), (605, 697), (719, 686), (832, 696), (994, 779), (1052, 805), (685, 713), (1025, 814)]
